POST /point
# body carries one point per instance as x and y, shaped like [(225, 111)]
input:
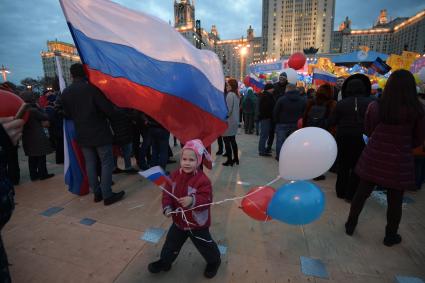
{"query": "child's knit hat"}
[(198, 147)]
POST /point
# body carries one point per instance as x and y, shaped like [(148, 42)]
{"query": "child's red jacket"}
[(199, 187)]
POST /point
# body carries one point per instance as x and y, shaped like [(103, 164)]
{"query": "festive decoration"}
[(417, 79), (422, 74), (296, 61), (10, 104), (306, 154), (382, 82), (256, 202), (297, 203), (292, 75)]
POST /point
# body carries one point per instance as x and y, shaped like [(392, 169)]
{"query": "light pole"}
[(243, 51), (4, 71)]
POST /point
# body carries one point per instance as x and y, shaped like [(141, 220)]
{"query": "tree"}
[(31, 84)]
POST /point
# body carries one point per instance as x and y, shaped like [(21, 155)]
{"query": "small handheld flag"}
[(156, 175)]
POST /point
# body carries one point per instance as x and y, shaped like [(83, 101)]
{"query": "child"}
[(192, 188)]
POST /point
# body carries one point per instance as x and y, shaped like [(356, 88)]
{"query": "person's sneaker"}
[(117, 171), (130, 171), (265, 154), (211, 269), (391, 240), (98, 197), (320, 178), (114, 198), (158, 266), (47, 176)]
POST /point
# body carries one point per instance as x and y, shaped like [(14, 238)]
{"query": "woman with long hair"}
[(395, 124), (229, 137)]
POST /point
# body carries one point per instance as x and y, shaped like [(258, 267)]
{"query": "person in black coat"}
[(10, 132), (265, 113), (122, 126), (348, 116), (35, 142), (89, 109), (288, 110)]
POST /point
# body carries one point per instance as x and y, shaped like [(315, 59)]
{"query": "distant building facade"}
[(385, 36), (291, 26), (234, 60), (67, 54)]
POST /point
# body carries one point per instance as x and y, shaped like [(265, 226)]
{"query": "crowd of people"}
[(380, 139)]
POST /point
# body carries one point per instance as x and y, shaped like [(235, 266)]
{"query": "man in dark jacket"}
[(279, 90), (288, 110), (265, 112), (88, 108), (10, 132)]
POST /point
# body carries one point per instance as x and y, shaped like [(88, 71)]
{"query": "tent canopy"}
[(358, 57)]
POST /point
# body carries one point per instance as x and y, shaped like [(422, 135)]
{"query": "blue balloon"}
[(297, 203)]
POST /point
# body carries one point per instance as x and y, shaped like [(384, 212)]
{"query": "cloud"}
[(27, 25)]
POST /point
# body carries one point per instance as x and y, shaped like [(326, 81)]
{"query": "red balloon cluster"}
[(296, 61), (10, 104), (255, 204)]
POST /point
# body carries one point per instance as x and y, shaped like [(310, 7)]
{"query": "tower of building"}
[(291, 25), (184, 14)]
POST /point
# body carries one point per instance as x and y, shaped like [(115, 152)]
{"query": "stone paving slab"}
[(60, 249)]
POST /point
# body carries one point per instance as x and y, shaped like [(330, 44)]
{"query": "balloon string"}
[(227, 199), (183, 215)]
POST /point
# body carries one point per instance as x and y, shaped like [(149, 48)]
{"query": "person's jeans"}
[(126, 151), (282, 132), (104, 153), (144, 158), (264, 135), (160, 140), (419, 171), (249, 122), (37, 167)]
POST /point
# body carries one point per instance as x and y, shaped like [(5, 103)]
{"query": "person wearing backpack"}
[(348, 117), (318, 111)]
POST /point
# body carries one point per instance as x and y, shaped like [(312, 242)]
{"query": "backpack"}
[(317, 117)]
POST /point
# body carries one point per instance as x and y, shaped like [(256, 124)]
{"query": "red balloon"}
[(10, 104), (255, 205), (296, 61)]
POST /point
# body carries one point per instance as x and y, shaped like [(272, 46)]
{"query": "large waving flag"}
[(74, 163), (141, 62), (74, 166)]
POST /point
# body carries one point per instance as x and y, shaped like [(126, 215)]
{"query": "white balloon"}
[(292, 75), (307, 153)]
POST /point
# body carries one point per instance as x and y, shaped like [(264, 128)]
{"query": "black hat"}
[(283, 74)]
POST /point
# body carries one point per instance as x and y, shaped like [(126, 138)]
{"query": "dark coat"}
[(289, 108), (122, 127), (387, 159), (265, 106), (34, 138), (89, 109), (7, 193)]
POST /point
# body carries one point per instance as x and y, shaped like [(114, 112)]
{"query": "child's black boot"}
[(391, 237), (158, 266), (211, 269)]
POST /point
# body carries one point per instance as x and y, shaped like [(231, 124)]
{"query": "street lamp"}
[(243, 51), (4, 71)]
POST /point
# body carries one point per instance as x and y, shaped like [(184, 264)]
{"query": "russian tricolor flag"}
[(74, 165), (321, 77), (141, 62), (156, 175), (256, 83)]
